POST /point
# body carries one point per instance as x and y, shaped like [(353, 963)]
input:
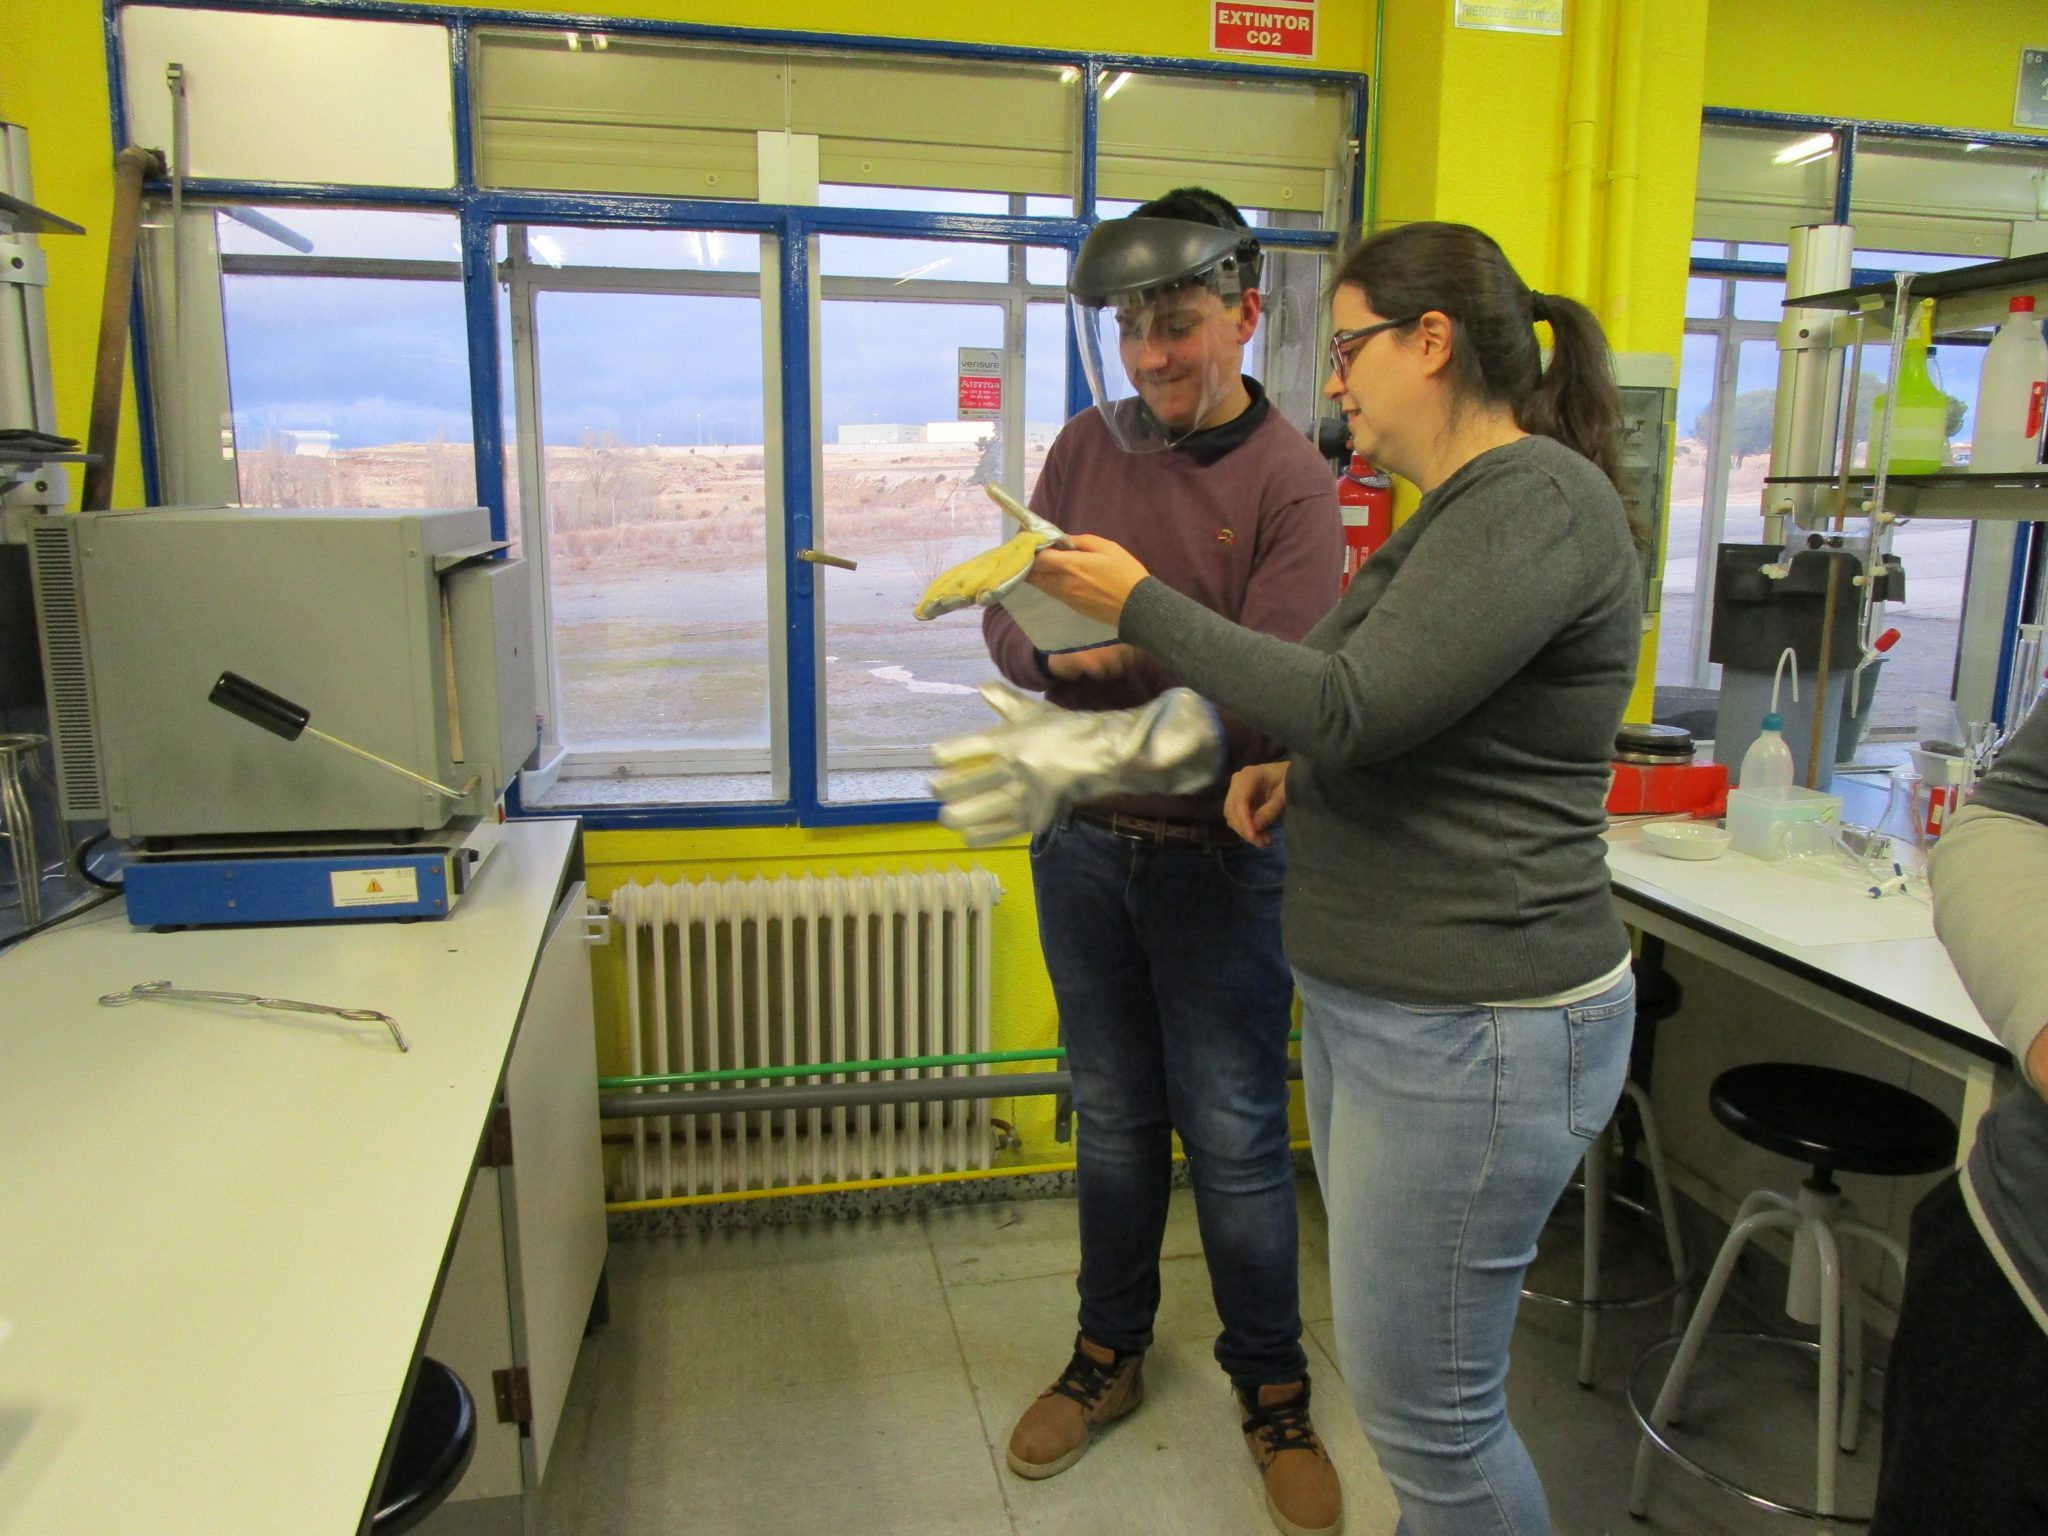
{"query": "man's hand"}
[(1018, 776), (1098, 664), (1256, 800)]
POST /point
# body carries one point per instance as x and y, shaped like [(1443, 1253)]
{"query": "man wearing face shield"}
[(1161, 928)]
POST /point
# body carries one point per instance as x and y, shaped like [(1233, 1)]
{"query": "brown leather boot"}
[(1098, 1387), (1302, 1492)]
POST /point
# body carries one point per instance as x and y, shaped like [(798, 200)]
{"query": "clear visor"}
[(1157, 366)]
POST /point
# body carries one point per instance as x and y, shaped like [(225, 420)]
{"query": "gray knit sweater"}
[(1991, 910), (1450, 724)]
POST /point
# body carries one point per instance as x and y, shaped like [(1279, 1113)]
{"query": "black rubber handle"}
[(259, 706)]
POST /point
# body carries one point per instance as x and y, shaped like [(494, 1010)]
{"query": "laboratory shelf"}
[(1964, 298), (2021, 496), (20, 218)]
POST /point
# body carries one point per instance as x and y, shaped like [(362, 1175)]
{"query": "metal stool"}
[(1833, 1121), (20, 758), (434, 1446), (1657, 998)]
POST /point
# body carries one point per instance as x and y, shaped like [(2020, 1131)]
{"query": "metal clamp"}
[(146, 990)]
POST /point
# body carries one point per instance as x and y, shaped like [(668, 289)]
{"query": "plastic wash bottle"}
[(1768, 762)]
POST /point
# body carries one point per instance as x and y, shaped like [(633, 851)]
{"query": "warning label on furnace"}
[(374, 887)]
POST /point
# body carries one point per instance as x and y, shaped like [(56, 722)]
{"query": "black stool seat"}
[(1837, 1121), (434, 1446)]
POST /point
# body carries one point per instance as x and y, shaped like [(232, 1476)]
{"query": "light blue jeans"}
[(1443, 1137)]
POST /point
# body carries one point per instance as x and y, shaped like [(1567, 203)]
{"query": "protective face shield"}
[(1155, 309)]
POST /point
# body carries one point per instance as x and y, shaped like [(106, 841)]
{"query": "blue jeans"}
[(1443, 1137), (1174, 1002)]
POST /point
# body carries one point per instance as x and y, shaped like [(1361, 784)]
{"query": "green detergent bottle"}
[(1919, 440)]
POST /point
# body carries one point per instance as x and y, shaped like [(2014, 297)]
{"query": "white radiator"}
[(724, 974)]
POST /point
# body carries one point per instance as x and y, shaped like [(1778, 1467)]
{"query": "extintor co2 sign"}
[(1284, 29)]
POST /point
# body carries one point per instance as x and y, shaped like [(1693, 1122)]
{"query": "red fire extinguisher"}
[(1366, 498)]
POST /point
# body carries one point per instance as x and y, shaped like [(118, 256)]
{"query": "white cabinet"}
[(531, 1247)]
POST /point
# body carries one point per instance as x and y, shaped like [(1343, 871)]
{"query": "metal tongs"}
[(146, 990)]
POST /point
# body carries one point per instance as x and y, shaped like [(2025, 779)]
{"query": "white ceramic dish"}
[(1686, 839)]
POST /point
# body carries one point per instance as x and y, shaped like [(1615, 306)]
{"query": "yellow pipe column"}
[(1623, 171), (1581, 141)]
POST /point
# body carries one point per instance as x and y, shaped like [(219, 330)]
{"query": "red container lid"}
[(2022, 304)]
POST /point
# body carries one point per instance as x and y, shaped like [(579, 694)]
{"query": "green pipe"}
[(836, 1068), (829, 1068)]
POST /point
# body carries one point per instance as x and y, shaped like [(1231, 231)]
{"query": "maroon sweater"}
[(1242, 518)]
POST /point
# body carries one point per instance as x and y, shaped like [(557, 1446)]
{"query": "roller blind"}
[(555, 110)]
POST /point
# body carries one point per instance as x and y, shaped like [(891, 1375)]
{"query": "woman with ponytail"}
[(1467, 999)]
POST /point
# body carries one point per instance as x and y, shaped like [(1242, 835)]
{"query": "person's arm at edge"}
[(1402, 676), (1990, 876), (1293, 584)]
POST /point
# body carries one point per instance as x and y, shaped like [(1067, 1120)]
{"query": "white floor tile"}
[(899, 1455), (1178, 1466), (772, 1307), (863, 1376), (1031, 1321)]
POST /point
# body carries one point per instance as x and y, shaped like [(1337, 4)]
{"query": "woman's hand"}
[(1256, 800), (1093, 578)]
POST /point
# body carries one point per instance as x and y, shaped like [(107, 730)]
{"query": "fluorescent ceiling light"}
[(1121, 79), (1805, 151), (546, 248)]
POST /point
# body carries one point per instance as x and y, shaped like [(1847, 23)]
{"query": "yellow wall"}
[(53, 81), (1343, 39), (1474, 127), (1953, 66)]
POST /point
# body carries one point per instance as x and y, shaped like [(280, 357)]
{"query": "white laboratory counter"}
[(222, 1229), (1873, 965)]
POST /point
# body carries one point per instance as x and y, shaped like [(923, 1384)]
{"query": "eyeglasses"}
[(1344, 345)]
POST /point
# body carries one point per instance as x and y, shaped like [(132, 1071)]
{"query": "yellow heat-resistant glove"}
[(984, 579)]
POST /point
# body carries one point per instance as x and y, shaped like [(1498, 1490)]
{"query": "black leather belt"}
[(1160, 831)]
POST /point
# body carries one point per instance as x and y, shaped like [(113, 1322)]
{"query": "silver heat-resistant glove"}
[(1017, 777)]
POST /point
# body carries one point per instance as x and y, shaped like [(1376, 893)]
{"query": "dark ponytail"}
[(1574, 399), (1461, 272)]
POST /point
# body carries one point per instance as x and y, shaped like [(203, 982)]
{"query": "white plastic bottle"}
[(2012, 395), (1768, 762)]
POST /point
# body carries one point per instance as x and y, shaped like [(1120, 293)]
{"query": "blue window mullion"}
[(1845, 170), (461, 34), (799, 494), (486, 378)]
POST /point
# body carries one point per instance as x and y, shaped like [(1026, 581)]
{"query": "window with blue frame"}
[(1920, 200), (695, 306)]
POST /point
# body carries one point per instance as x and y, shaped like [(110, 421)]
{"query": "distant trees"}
[(1751, 414), (988, 469)]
